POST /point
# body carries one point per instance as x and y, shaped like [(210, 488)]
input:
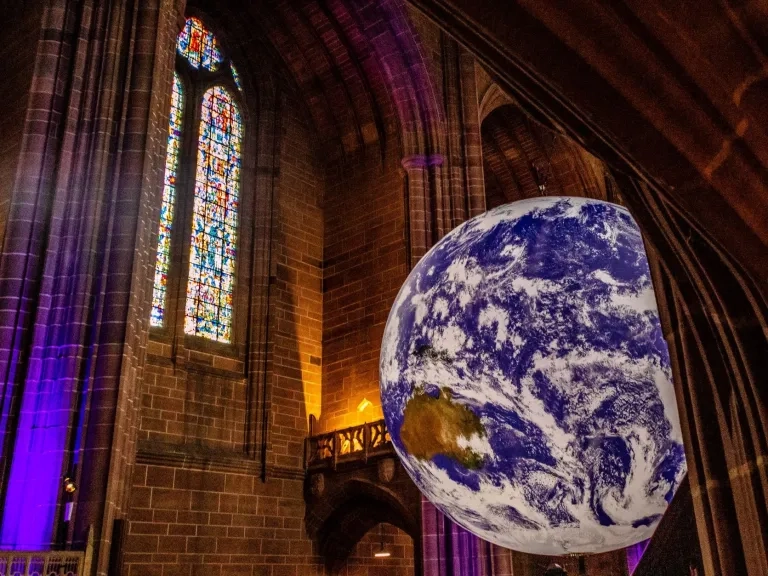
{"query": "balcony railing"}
[(357, 443), (42, 563)]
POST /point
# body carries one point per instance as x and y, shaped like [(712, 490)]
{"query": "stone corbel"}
[(421, 161)]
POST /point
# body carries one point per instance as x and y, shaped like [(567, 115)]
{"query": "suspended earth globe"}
[(526, 383)]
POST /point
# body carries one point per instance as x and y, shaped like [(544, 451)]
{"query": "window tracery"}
[(236, 77), (163, 260), (209, 297), (199, 46)]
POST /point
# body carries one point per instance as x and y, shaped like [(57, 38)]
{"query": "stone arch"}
[(420, 112), (422, 120), (523, 158), (359, 489), (351, 511), (678, 131), (493, 98), (373, 50), (360, 69)]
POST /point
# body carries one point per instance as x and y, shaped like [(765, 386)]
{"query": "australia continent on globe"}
[(526, 383)]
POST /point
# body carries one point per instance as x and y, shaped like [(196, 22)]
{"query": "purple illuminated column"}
[(634, 553), (450, 550), (38, 461)]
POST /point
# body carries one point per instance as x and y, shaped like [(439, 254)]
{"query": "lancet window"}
[(205, 109)]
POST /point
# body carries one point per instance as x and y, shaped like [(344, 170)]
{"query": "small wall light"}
[(69, 485), (364, 403)]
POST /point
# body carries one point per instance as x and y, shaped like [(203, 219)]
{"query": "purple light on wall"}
[(634, 553), (30, 504), (448, 549), (34, 483)]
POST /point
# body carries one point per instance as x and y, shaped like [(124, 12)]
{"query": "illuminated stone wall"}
[(364, 267)]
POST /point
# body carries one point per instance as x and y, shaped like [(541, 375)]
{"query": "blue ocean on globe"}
[(526, 383)]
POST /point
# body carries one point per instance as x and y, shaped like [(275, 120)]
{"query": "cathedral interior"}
[(176, 404)]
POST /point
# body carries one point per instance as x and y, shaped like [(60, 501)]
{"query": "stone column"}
[(448, 550), (77, 262), (464, 162), (444, 191)]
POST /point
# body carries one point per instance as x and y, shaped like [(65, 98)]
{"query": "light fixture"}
[(381, 552), (364, 403), (69, 485)]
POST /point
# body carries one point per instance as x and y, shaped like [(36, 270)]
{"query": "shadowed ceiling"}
[(673, 92), (523, 159), (357, 65)]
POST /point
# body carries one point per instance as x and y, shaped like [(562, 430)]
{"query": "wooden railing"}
[(42, 563), (347, 445)]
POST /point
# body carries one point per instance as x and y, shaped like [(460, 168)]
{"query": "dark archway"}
[(351, 512), (523, 158), (388, 539), (351, 522)]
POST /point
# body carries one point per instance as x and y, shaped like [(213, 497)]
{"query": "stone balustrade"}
[(357, 443), (53, 563)]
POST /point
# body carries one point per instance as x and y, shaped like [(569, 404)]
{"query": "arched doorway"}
[(384, 550), (356, 516)]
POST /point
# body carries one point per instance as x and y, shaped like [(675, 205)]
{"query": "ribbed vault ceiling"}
[(523, 159), (351, 61)]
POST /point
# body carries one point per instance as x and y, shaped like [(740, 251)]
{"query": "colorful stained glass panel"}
[(208, 311), (236, 77), (163, 260), (198, 45)]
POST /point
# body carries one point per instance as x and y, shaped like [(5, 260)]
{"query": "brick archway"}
[(365, 507), (352, 502)]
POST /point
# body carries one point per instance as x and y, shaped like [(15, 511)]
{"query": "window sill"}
[(195, 353)]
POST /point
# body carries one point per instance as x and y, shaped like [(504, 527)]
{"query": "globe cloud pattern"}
[(538, 322)]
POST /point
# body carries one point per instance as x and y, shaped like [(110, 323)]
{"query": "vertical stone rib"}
[(715, 322)]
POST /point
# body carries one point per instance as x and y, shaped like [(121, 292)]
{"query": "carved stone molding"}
[(317, 484), (386, 469), (194, 457), (494, 97)]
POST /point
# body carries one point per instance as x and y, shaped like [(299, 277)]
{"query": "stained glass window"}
[(163, 260), (214, 219), (236, 77), (198, 45)]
